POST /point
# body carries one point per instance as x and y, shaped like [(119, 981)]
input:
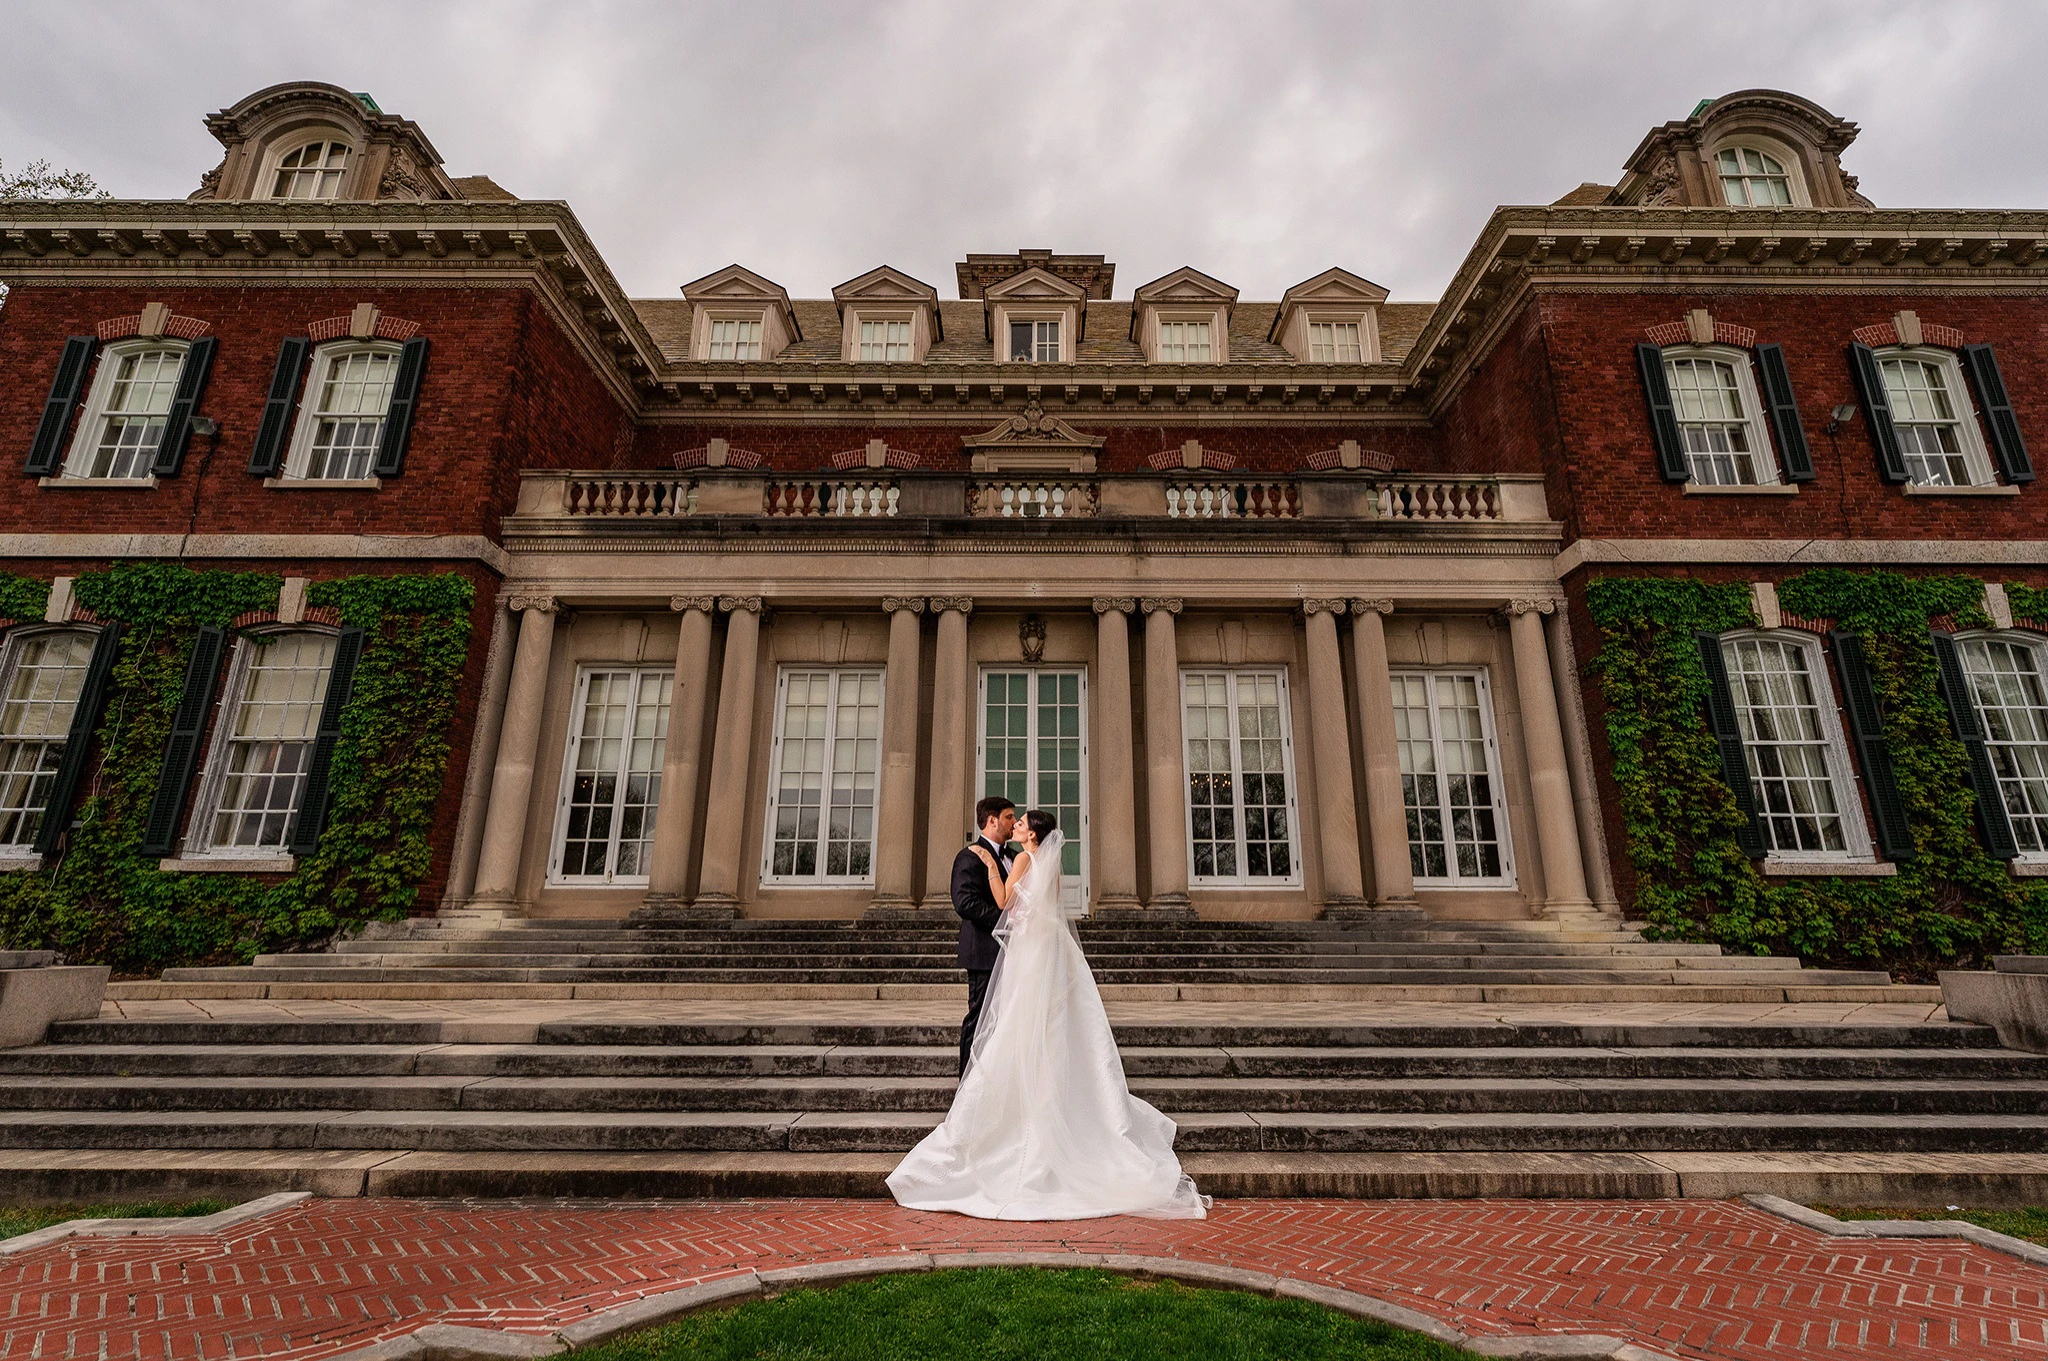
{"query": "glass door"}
[(1033, 750)]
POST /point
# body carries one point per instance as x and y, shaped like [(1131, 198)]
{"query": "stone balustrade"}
[(1033, 498), (831, 497), (640, 496), (1233, 500), (1438, 498)]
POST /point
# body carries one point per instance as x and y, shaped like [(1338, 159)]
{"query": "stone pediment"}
[(885, 284), (1186, 285), (1035, 284), (1032, 441)]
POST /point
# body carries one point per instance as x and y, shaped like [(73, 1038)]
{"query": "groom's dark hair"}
[(993, 806)]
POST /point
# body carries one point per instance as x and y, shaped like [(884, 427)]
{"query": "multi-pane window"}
[(1791, 739), (1240, 777), (1033, 753), (611, 785), (885, 341), (1935, 434), (735, 340), (1752, 179), (1035, 342), (264, 745), (2012, 704), (1184, 342), (350, 397), (825, 769), (1450, 778), (1334, 342), (124, 418), (312, 172), (1715, 402), (43, 677)]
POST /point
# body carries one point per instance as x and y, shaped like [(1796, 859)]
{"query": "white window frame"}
[(1491, 734), (11, 647), (1206, 322), (1074, 888), (1969, 429), (610, 879), (757, 343), (85, 440), (1763, 451), (1037, 321), (1293, 879), (908, 343), (839, 674), (1843, 774), (224, 708), (2032, 643), (307, 422), (276, 167), (1358, 328), (1795, 183)]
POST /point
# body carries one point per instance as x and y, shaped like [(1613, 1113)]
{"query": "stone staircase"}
[(633, 1105)]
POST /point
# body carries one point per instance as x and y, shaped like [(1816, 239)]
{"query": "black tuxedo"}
[(979, 913)]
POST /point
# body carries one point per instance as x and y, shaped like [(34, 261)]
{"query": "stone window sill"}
[(324, 483), (1742, 489), (1821, 869), (229, 864), (1915, 489), (2029, 869), (83, 482), (14, 861)]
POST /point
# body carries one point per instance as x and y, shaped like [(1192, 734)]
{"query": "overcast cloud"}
[(1259, 142)]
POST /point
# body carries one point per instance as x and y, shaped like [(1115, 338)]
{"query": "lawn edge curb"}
[(1820, 1222), (218, 1222)]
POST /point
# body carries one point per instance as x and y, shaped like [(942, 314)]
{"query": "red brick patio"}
[(1692, 1278)]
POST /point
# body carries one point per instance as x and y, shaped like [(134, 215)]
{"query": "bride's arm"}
[(996, 886)]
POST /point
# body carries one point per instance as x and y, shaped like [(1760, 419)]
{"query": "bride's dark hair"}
[(1041, 823)]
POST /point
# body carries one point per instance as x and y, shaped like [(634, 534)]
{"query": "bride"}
[(1043, 1125)]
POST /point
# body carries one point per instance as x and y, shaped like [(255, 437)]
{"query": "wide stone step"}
[(1102, 961), (863, 947)]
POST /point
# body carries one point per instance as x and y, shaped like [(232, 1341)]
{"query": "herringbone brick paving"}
[(1693, 1278)]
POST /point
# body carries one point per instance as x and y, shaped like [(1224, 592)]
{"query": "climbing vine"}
[(1949, 902), (102, 900), (22, 597)]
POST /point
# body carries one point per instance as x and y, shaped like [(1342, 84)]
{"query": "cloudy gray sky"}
[(1261, 142)]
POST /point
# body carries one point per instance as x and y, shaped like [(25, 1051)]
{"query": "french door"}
[(1033, 750), (611, 777)]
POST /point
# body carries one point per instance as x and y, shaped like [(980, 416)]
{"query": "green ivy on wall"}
[(23, 597), (1950, 902), (103, 901)]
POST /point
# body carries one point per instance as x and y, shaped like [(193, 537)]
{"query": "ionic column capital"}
[(892, 604), (1533, 606), (1115, 604), (1309, 607), (519, 604), (705, 603), (1153, 604), (958, 604), (1372, 607), (732, 604)]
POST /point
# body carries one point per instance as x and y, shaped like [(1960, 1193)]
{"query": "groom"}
[(997, 818)]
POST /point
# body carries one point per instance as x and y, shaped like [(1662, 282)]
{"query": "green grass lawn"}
[(2030, 1223), (998, 1315), (16, 1219)]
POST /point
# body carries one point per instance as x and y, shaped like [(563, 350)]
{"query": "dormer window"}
[(1752, 179), (1035, 342), (1184, 342), (735, 340), (885, 342), (312, 171), (1335, 342)]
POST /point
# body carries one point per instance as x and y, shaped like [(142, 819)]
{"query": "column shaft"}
[(1386, 817), (1336, 818), (952, 807), (1165, 761), (483, 763), (732, 754), (497, 871), (898, 801), (675, 819), (1557, 829), (1579, 752), (1115, 854)]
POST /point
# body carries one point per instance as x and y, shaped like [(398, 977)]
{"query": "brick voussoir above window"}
[(341, 327)]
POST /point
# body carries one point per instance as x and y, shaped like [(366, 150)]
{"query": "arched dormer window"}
[(1753, 178), (347, 403), (311, 170)]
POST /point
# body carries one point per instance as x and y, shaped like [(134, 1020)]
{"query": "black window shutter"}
[(47, 450), (78, 741), (405, 394), (1866, 727), (1877, 413), (181, 753), (1728, 736), (1992, 823), (170, 448), (2006, 444), (1793, 455), (348, 650), (1672, 463), (266, 458)]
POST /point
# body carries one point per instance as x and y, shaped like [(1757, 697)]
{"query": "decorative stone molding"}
[(717, 453), (1309, 607), (1350, 457), (1519, 607), (153, 320), (893, 603), (1033, 441), (875, 454), (1763, 598), (1906, 328), (1031, 638), (1997, 604), (1119, 604), (706, 603), (520, 604), (959, 604), (1698, 327), (1372, 606), (1152, 604), (366, 322), (751, 604)]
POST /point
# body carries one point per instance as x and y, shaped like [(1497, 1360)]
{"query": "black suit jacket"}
[(976, 904)]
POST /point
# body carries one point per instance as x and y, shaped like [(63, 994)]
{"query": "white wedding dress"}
[(1044, 1125)]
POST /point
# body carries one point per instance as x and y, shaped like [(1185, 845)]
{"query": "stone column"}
[(952, 749), (483, 761), (1116, 810), (497, 870), (1579, 751), (675, 819), (732, 755), (1166, 775), (898, 804), (1386, 817), (1557, 828), (1336, 818)]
